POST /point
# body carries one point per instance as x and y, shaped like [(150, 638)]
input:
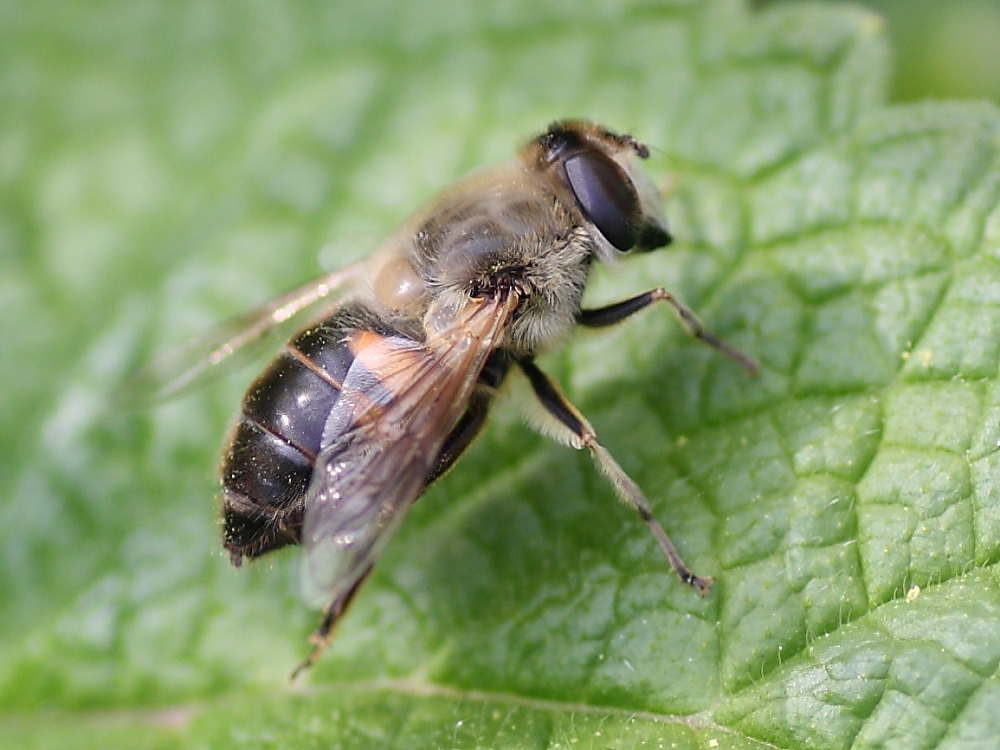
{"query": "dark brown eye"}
[(607, 197)]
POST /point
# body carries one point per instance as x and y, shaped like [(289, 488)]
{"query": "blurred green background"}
[(942, 48)]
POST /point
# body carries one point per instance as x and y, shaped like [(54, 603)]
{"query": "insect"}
[(378, 397)]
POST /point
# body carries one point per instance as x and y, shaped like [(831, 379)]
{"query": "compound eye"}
[(607, 197)]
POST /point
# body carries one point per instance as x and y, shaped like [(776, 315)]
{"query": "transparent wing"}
[(207, 356), (399, 402)]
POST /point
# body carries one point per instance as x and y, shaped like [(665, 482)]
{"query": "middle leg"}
[(575, 430)]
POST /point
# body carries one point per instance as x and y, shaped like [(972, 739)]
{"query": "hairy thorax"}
[(481, 240)]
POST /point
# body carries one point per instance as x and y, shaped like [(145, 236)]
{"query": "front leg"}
[(572, 428), (619, 311)]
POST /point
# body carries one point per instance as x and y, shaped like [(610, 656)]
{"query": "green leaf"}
[(166, 165)]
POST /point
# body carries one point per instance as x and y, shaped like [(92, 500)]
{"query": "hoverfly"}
[(378, 397)]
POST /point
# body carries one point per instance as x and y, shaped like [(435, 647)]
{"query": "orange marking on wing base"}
[(392, 365)]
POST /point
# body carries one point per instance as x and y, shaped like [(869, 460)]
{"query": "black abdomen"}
[(268, 464)]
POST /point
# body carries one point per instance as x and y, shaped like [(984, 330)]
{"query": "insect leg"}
[(577, 432), (321, 637), (618, 311)]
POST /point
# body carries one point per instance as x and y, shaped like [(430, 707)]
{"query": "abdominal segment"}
[(271, 454)]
